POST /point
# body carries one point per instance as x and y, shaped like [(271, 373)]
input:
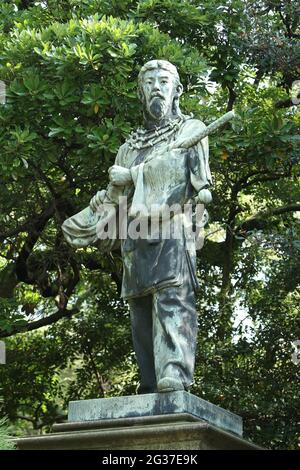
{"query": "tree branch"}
[(258, 220), (286, 21), (37, 227), (231, 98), (270, 177), (42, 322), (28, 226)]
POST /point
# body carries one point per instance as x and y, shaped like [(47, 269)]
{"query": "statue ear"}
[(179, 90)]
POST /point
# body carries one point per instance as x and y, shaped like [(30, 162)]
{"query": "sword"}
[(194, 140)]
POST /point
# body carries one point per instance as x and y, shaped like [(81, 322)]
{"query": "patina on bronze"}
[(163, 163)]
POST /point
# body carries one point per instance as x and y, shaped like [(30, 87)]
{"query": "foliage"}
[(70, 68), (5, 442)]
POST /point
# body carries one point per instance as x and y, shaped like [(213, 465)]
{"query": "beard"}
[(157, 107)]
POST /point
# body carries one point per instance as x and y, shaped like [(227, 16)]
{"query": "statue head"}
[(159, 89)]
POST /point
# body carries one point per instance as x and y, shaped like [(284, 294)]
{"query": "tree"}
[(70, 71)]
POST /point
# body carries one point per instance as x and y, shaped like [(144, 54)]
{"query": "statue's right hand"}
[(97, 200)]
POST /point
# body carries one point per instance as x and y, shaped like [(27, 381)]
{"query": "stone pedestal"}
[(165, 421)]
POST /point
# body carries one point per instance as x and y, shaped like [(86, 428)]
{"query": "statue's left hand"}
[(119, 176), (204, 196)]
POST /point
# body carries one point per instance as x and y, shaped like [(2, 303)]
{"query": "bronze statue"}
[(162, 165)]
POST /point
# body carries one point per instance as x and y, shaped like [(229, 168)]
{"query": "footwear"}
[(168, 384)]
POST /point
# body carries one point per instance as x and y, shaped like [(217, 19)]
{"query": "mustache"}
[(157, 95)]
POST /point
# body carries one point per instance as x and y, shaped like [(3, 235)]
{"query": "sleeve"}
[(114, 192), (198, 160), (135, 171), (119, 160)]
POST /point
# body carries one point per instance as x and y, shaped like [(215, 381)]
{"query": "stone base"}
[(152, 404), (179, 431), (156, 421)]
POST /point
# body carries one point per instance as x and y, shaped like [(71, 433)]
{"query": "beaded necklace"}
[(144, 138)]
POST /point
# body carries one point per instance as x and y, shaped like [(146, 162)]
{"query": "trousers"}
[(164, 332)]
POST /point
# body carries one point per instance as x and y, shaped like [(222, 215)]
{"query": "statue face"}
[(159, 91)]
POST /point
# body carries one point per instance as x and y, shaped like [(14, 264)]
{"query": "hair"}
[(164, 65)]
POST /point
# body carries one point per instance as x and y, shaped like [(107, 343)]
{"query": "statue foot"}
[(168, 384)]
